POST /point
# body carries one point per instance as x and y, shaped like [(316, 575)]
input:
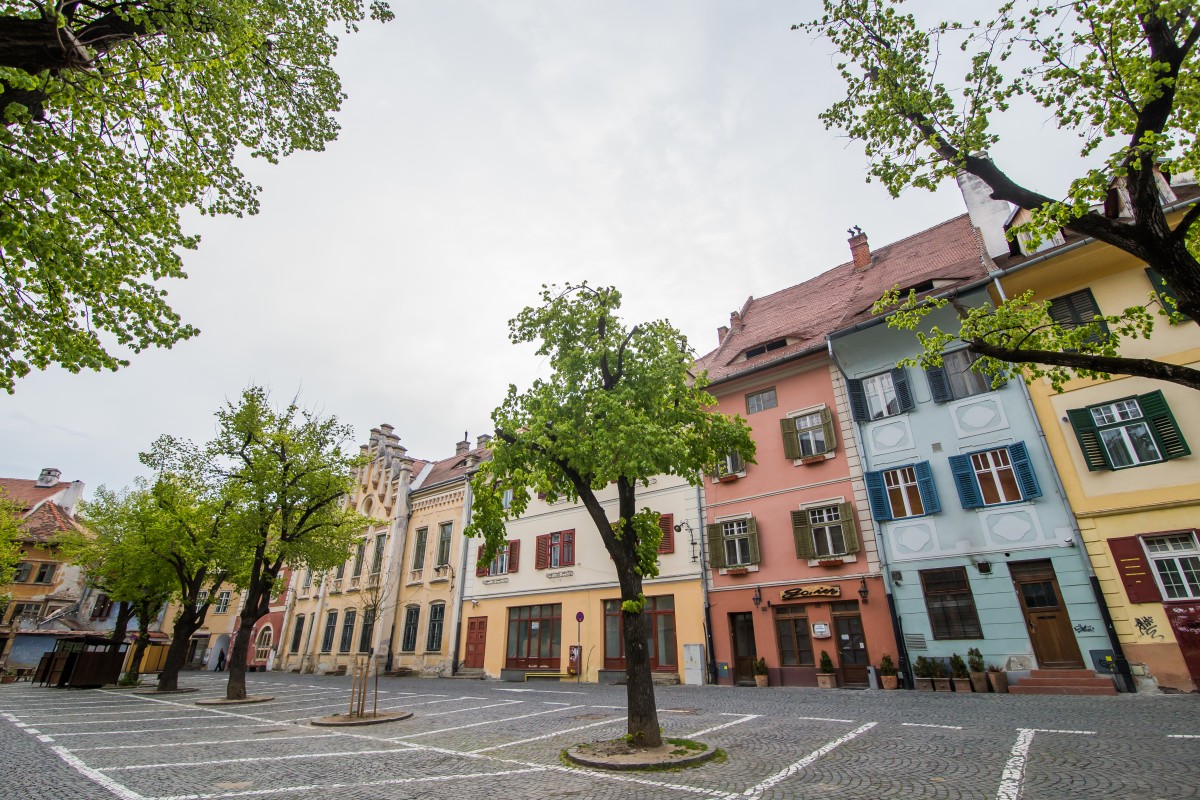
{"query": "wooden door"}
[(1185, 621), (852, 645), (476, 642), (1046, 616), (741, 628)]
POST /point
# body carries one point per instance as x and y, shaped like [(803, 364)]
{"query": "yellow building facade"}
[(1128, 454)]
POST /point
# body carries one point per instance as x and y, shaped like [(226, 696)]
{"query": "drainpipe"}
[(462, 576), (902, 667), (704, 576), (1121, 663)]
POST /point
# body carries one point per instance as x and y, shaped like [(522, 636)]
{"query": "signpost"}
[(579, 639)]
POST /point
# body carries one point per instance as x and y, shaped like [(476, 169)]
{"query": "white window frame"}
[(1120, 417), (964, 374), (262, 650), (904, 486), (222, 604), (809, 434), (1177, 548), (736, 532), (985, 463), (499, 565), (821, 526), (760, 396), (879, 390)]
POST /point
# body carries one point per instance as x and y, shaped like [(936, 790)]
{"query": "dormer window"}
[(762, 349)]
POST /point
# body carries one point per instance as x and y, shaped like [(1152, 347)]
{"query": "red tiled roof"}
[(26, 493), (805, 313), (456, 467), (47, 522)]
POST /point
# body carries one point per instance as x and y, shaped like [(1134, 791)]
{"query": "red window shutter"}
[(514, 553), (1134, 569), (542, 559), (567, 557), (667, 523), (481, 570)]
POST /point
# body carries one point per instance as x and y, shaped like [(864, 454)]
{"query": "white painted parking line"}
[(545, 736), (928, 725), (1014, 768), (1055, 730), (476, 708), (45, 738), (119, 721), (197, 744), (332, 786), (255, 759), (745, 718), (540, 691), (823, 719), (96, 777), (172, 729), (477, 724), (554, 703), (1182, 736), (757, 790)]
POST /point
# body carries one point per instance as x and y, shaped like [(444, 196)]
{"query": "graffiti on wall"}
[(1148, 627), (1082, 628)]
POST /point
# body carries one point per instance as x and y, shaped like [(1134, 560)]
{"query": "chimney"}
[(860, 250), (987, 214), (735, 321), (48, 478), (482, 441), (463, 446), (722, 332)]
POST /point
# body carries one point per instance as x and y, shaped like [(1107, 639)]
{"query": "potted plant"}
[(998, 679), (826, 677), (977, 671), (941, 683), (958, 668), (924, 671), (887, 673), (817, 459), (829, 562), (8, 675), (760, 672)]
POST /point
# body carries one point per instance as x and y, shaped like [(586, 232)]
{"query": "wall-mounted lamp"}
[(984, 567), (897, 576), (474, 603), (863, 591), (692, 540), (757, 598)]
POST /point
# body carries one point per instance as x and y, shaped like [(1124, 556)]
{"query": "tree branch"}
[(1116, 365)]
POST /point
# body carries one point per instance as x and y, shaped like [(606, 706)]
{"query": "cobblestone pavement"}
[(477, 739)]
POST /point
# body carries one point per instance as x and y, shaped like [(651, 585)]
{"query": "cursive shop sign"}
[(801, 592)]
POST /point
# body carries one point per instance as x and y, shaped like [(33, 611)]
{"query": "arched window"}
[(262, 645)]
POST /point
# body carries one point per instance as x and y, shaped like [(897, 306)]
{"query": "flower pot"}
[(889, 681), (943, 685), (924, 684), (737, 571), (728, 478), (830, 563), (962, 685), (813, 460), (999, 682), (761, 680), (979, 682), (827, 680), (7, 678)]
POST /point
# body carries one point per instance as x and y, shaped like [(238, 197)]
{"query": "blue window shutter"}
[(858, 400), (929, 495), (1024, 469), (881, 508), (903, 393), (939, 385), (965, 482)]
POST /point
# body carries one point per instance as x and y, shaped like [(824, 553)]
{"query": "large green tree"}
[(120, 552), (284, 474), (619, 407), (1119, 74), (115, 116), (10, 544)]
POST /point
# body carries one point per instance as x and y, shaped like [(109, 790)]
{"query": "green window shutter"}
[(1077, 308), (1162, 423), (1019, 455), (881, 507), (802, 533), (964, 480), (939, 385), (849, 528), (752, 529), (1089, 439), (791, 447), (716, 545), (1166, 295), (827, 428)]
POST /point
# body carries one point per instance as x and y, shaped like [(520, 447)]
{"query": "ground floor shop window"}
[(950, 604), (660, 634), (534, 637), (795, 646)]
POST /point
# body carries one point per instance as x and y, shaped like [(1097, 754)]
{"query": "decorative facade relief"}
[(976, 415), (890, 436)]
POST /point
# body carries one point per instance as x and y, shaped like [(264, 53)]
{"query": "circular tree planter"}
[(221, 701), (181, 690), (618, 754), (347, 721)]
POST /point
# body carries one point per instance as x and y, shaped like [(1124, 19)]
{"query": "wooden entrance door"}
[(741, 628), (851, 643), (1046, 615), (476, 642), (1185, 621)]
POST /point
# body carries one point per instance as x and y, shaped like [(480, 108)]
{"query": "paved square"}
[(476, 739)]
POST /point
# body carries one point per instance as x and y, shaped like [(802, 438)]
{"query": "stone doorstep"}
[(1073, 690)]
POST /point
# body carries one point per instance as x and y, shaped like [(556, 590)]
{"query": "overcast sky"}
[(671, 149)]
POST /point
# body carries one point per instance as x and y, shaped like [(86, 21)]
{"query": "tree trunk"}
[(235, 689), (139, 650), (121, 627), (185, 626)]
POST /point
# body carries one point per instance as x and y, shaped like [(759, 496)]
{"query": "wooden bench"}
[(555, 675)]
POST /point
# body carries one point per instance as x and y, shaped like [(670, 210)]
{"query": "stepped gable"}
[(948, 253)]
